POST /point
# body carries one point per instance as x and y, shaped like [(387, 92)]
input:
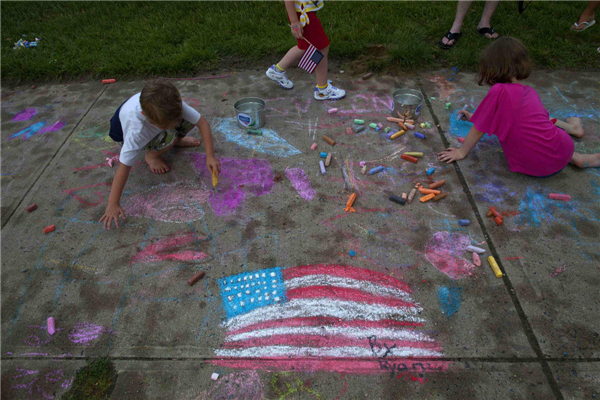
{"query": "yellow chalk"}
[(215, 178), (397, 134), (495, 267), (417, 154)]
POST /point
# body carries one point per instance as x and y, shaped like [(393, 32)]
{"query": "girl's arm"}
[(211, 161), (295, 25), (453, 154)]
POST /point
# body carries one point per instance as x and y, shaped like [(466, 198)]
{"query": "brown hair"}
[(503, 60), (161, 103)]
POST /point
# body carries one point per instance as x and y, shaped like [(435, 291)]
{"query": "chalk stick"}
[(215, 178), (322, 155), (499, 220), (401, 125), (328, 160), (474, 249), (349, 131), (214, 376), (50, 324), (397, 199), (558, 196), (461, 140), (322, 165), (397, 135), (373, 125), (387, 129), (313, 146), (329, 140), (362, 163), (196, 278), (411, 195), (409, 158), (255, 132), (409, 126), (427, 198), (377, 129), (464, 222), (363, 170), (440, 196), (392, 119), (105, 81), (352, 253), (367, 76), (404, 196), (417, 154), (31, 208), (359, 121), (429, 191), (489, 213), (430, 171), (376, 170), (495, 267), (462, 116), (419, 135), (49, 229), (436, 184), (409, 121), (495, 212), (380, 125), (427, 125), (423, 125), (359, 129), (332, 110)]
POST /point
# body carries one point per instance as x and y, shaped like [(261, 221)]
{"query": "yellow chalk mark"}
[(64, 264)]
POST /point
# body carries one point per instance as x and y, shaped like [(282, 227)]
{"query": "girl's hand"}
[(464, 115), (451, 154), (112, 212), (297, 30), (213, 164)]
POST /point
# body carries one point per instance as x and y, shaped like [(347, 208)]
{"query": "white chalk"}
[(322, 165), (462, 116), (474, 249), (214, 376)]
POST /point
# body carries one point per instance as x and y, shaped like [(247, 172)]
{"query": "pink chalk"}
[(460, 139), (214, 376), (557, 196), (476, 259), (380, 125), (51, 327), (332, 110), (362, 163), (409, 126), (313, 146)]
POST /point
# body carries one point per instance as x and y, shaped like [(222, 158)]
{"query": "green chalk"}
[(427, 124), (359, 121), (373, 125), (448, 105), (432, 98), (387, 130), (256, 132)]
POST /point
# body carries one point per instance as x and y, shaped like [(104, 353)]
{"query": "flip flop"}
[(484, 31), (587, 25), (449, 36)]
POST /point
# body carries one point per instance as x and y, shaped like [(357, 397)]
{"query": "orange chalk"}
[(429, 191), (409, 158), (108, 81), (489, 213), (440, 196), (196, 278), (329, 140), (392, 119), (49, 229), (495, 212), (401, 125), (499, 220), (350, 202), (427, 198), (436, 184)]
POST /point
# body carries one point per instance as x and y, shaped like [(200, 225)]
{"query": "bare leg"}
[(586, 160), (323, 68), (291, 57), (461, 12), (486, 18), (572, 126), (587, 15)]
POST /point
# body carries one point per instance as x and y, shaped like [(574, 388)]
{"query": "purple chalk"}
[(419, 135), (322, 165), (51, 327)]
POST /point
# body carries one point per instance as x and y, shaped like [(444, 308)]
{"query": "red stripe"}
[(329, 321), (303, 61), (337, 293), (347, 365), (346, 271), (326, 341)]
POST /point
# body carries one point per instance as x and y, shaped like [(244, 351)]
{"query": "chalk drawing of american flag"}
[(322, 317)]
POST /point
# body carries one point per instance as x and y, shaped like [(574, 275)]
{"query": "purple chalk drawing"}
[(52, 128), (301, 183), (25, 115), (67, 383), (238, 179), (55, 376), (85, 332)]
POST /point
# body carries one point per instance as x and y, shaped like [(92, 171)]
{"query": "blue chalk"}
[(323, 155), (377, 129), (352, 253), (430, 171), (376, 170), (419, 135), (464, 222)]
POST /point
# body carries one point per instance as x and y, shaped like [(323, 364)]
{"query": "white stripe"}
[(306, 56), (358, 352), (346, 283), (351, 332), (345, 310)]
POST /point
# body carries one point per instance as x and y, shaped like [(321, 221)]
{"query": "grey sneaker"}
[(329, 93), (279, 77)]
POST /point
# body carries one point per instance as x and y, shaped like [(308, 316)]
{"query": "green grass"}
[(126, 39), (95, 381)]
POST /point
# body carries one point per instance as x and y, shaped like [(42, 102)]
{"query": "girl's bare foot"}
[(156, 163), (576, 128), (586, 160), (188, 141)]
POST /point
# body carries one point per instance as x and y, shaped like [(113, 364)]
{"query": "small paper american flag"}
[(311, 58)]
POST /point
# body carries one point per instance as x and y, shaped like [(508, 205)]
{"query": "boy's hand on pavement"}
[(112, 212), (297, 30), (451, 154), (213, 165)]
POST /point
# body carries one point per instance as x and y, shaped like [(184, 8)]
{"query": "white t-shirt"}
[(138, 131)]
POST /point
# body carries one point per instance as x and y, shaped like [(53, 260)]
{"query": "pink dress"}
[(532, 144)]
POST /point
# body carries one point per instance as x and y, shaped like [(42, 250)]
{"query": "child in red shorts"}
[(306, 25)]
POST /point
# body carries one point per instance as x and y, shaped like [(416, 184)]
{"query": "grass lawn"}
[(127, 39)]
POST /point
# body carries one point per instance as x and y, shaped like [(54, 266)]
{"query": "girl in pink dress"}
[(533, 144)]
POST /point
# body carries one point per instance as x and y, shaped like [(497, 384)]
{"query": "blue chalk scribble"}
[(449, 298)]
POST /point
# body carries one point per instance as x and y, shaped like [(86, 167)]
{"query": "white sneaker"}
[(329, 93), (279, 77)]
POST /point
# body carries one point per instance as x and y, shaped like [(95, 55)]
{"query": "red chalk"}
[(558, 196), (108, 81), (196, 278), (349, 131), (553, 120), (49, 229), (495, 212), (31, 208), (50, 325), (460, 139), (409, 158), (499, 220)]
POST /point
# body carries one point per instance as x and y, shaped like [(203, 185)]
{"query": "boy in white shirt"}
[(154, 120)]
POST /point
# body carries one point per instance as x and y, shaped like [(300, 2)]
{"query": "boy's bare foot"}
[(188, 141), (156, 163), (577, 129), (586, 160)]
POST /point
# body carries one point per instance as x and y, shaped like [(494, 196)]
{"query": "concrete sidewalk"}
[(453, 330)]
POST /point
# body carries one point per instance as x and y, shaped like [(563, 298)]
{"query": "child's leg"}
[(290, 57), (586, 160), (572, 126), (323, 68)]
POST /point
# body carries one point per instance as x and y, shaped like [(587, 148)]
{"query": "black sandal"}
[(449, 36), (483, 31)]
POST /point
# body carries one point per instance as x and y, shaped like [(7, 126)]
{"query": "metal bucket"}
[(250, 112), (407, 103)]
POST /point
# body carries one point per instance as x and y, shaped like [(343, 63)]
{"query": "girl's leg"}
[(572, 125), (586, 160), (486, 17), (291, 57), (323, 68)]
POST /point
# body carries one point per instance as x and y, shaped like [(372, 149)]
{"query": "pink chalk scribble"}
[(52, 128), (301, 183), (25, 115), (440, 250), (558, 272), (170, 249), (85, 332)]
